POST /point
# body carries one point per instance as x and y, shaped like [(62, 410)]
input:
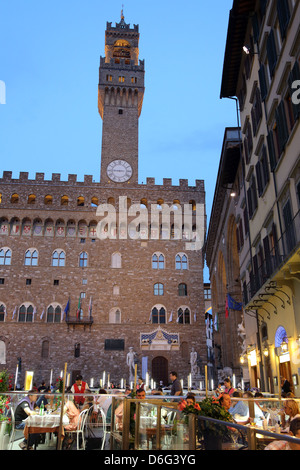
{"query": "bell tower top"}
[(120, 98)]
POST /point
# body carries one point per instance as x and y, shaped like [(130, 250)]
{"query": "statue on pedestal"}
[(130, 360), (194, 362)]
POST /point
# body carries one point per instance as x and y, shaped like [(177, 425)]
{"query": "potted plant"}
[(212, 433), (5, 420)]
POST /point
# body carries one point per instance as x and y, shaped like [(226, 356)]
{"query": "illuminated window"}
[(121, 79), (14, 198), (31, 199), (48, 200)]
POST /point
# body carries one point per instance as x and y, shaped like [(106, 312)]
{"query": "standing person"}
[(285, 385), (140, 384), (79, 387), (176, 388), (228, 387)]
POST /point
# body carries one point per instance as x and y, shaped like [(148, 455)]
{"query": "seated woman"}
[(73, 414), (291, 409)]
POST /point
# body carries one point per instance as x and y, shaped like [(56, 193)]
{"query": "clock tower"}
[(120, 98)]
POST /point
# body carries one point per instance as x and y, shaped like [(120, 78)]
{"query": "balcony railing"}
[(279, 255), (74, 321)]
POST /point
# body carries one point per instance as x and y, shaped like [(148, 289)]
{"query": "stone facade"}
[(51, 252)]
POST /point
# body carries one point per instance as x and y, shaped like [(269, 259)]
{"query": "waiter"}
[(79, 387)]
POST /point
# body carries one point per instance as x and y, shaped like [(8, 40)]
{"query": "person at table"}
[(73, 414), (228, 387), (88, 401), (79, 387), (291, 409), (287, 445), (25, 408)]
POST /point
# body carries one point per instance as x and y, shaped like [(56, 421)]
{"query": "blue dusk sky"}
[(49, 61)]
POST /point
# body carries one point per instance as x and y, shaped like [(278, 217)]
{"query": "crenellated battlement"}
[(122, 26), (89, 181)]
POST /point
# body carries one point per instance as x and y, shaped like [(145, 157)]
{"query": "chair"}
[(96, 424), (81, 429)]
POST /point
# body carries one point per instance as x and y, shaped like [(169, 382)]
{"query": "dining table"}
[(46, 423)]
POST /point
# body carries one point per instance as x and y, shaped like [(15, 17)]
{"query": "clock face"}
[(119, 171)]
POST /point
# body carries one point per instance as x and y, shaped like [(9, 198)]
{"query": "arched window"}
[(116, 260), (31, 257), (15, 198), (25, 314), (77, 350), (158, 289), (64, 201), (48, 200), (54, 314), (83, 258), (2, 312), (115, 315), (182, 290), (5, 256), (2, 352), (45, 349), (183, 315), (181, 261), (94, 202), (158, 315), (58, 258), (158, 261), (80, 201), (31, 199)]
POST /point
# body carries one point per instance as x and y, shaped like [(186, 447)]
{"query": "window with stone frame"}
[(25, 314), (158, 315), (158, 289), (31, 257), (5, 257), (83, 259), (53, 314), (158, 261), (183, 315), (181, 261), (58, 258), (2, 312), (182, 289)]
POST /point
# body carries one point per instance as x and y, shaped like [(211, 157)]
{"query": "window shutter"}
[(265, 167), (271, 52), (282, 125), (271, 149), (259, 178), (262, 82), (283, 13)]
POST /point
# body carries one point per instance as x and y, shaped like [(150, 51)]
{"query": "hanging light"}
[(284, 346), (266, 352)]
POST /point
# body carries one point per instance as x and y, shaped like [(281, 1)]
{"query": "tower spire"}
[(122, 13)]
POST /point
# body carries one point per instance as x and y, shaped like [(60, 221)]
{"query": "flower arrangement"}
[(5, 385), (211, 408)]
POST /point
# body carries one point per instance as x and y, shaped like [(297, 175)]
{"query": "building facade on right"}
[(261, 73)]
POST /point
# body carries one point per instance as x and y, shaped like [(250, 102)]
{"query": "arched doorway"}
[(160, 370)]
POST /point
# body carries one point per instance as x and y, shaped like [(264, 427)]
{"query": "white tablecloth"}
[(46, 421)]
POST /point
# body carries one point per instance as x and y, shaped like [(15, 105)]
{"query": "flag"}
[(67, 309), (79, 307), (150, 318), (233, 304), (14, 312), (90, 308), (226, 307), (195, 316), (33, 313), (180, 315), (209, 310), (42, 314), (171, 317)]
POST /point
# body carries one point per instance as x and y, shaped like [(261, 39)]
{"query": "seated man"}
[(24, 409), (285, 445)]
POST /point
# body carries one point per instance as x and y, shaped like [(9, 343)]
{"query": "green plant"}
[(211, 408), (5, 384)]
